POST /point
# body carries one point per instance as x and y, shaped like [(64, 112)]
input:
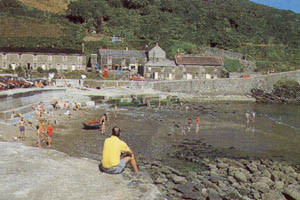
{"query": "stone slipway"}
[(35, 174), (126, 92)]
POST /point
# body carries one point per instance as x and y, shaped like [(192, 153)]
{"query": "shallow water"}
[(154, 133), (274, 134)]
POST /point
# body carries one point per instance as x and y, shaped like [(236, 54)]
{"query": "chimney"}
[(82, 46)]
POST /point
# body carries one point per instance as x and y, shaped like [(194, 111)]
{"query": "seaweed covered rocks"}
[(283, 92)]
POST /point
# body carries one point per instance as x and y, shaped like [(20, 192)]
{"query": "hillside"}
[(55, 6), (20, 27), (262, 33)]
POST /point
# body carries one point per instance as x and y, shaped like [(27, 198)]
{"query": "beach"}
[(170, 152)]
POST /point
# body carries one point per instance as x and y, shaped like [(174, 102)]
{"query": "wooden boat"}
[(94, 124)]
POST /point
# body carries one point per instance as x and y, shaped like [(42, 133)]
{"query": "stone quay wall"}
[(234, 86), (230, 86)]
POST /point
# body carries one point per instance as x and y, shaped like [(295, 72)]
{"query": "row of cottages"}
[(152, 63), (50, 58), (185, 67)]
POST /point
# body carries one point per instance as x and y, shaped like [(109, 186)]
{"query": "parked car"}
[(26, 83), (10, 85)]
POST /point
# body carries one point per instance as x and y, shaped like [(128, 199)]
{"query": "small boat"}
[(92, 124)]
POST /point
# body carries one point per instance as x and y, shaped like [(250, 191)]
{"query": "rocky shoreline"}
[(227, 178)]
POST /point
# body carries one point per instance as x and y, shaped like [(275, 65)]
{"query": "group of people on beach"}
[(42, 134)]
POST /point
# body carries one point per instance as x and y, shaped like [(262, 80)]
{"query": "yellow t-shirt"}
[(113, 147)]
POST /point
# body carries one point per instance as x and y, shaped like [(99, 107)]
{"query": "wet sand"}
[(153, 133)]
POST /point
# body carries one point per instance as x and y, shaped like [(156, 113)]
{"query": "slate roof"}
[(199, 60), (39, 50), (122, 53), (164, 63)]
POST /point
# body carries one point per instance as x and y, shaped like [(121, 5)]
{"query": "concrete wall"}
[(238, 86), (21, 99)]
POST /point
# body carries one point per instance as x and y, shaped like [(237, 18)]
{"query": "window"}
[(79, 58), (149, 69), (34, 65), (109, 60), (123, 61), (65, 58), (65, 67), (4, 65), (34, 57), (5, 56), (50, 58)]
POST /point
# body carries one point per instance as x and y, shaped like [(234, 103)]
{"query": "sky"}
[(293, 5)]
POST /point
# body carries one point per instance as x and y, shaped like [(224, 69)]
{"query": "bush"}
[(40, 70), (19, 69), (233, 65), (53, 70)]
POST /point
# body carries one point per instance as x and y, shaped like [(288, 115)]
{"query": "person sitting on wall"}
[(112, 162)]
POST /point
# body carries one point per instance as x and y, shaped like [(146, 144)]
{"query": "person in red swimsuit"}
[(49, 134)]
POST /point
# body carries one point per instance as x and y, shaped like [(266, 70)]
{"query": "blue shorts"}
[(117, 169), (22, 128)]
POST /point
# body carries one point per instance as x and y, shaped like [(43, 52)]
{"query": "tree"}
[(92, 12)]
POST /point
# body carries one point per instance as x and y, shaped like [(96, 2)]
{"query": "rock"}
[(222, 165), (209, 184), (189, 191), (287, 169), (232, 170), (264, 180), (251, 167), (266, 173), (298, 177), (233, 194), (240, 177), (256, 195), (160, 180), (233, 163), (175, 171), (278, 185), (272, 195), (204, 192), (192, 175), (277, 175), (292, 192), (26, 173), (213, 194), (177, 179), (262, 187), (165, 170), (231, 179)]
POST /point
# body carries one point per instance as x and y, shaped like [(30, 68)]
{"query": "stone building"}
[(158, 66), (199, 67), (121, 59), (50, 58)]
